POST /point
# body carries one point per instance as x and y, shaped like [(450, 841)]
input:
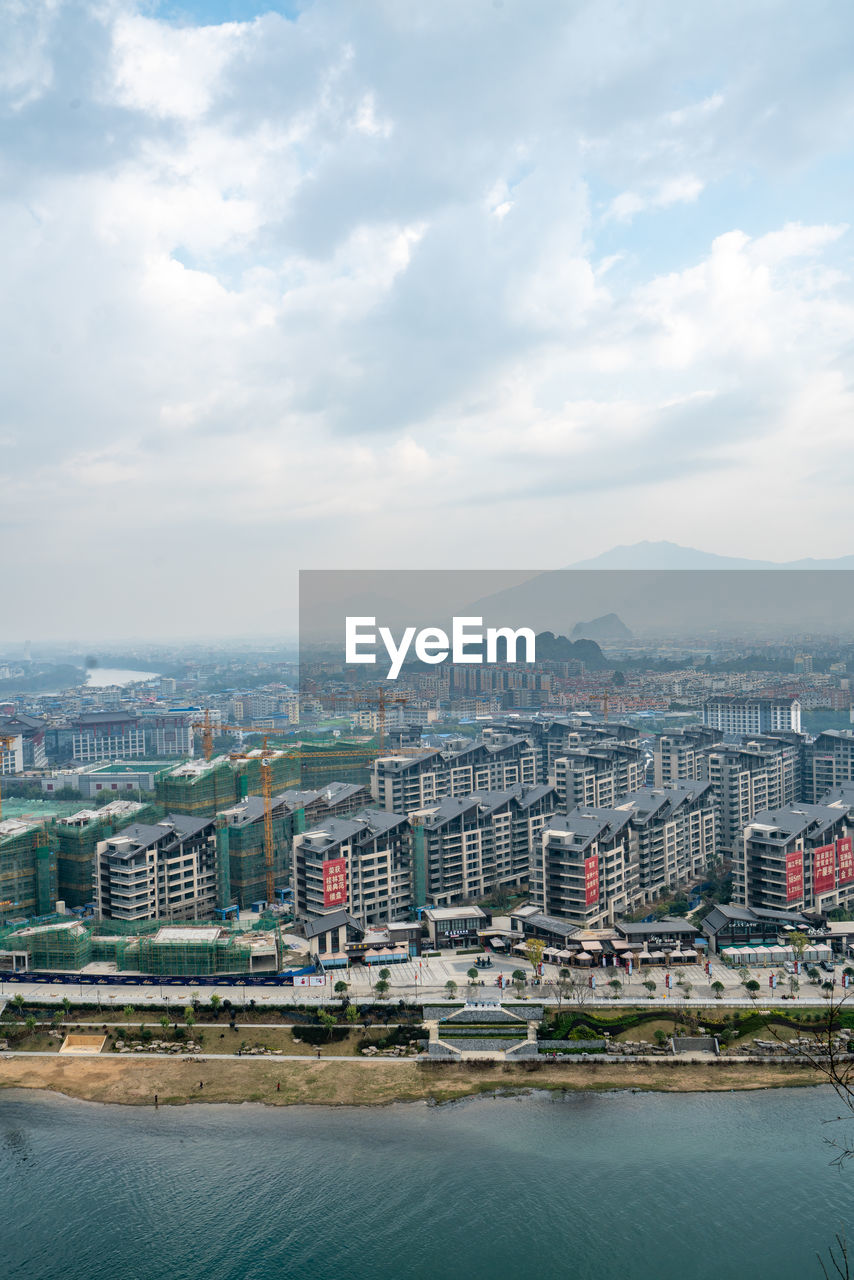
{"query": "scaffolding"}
[(198, 787), (193, 951), (77, 837), (28, 880), (344, 762), (66, 946), (240, 846)]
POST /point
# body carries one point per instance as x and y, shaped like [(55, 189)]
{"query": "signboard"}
[(845, 860), (591, 880), (794, 876), (824, 868), (309, 980), (335, 882)]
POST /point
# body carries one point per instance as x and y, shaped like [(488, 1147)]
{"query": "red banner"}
[(591, 880), (794, 877), (335, 882), (845, 860), (824, 868)]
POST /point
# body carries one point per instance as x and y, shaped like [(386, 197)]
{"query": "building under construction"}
[(157, 950), (77, 837), (203, 787), (28, 880)]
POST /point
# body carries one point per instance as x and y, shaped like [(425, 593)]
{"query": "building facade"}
[(362, 865), (158, 871)]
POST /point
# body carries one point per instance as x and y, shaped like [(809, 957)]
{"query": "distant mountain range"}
[(670, 555)]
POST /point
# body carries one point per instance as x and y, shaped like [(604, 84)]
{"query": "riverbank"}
[(361, 1082)]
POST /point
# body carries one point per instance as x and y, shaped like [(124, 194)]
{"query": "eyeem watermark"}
[(468, 642)]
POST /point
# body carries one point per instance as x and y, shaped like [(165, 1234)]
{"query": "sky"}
[(412, 284)]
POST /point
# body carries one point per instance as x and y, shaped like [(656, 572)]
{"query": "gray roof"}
[(589, 824), (645, 928), (335, 919), (550, 924)]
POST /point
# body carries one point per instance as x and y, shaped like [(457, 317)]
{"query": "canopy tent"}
[(583, 957), (656, 955)]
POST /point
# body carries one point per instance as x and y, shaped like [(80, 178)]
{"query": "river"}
[(582, 1186)]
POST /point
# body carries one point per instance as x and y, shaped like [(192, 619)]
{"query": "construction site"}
[(77, 837), (28, 869), (152, 949), (203, 787)]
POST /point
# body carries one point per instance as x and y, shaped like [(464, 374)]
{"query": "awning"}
[(656, 955), (689, 954), (498, 942), (521, 946), (593, 946), (584, 955), (620, 944)]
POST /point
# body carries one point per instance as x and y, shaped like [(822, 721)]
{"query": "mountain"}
[(670, 555), (609, 629), (552, 648)]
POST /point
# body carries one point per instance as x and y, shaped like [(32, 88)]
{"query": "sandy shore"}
[(365, 1083)]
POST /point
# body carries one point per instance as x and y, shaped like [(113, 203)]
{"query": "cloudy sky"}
[(428, 283)]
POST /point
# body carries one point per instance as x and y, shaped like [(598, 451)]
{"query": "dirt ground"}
[(359, 1081)]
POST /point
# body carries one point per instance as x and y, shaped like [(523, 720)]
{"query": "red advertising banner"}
[(591, 880), (824, 868), (335, 882), (845, 860), (794, 877)]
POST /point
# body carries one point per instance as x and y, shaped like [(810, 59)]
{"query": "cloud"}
[(389, 281)]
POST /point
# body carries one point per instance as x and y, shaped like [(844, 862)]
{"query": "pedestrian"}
[(155, 1099), (201, 1084), (318, 1053), (278, 1087)]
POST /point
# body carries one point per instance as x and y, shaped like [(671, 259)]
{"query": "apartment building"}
[(11, 753), (554, 737), (761, 774), (467, 847), (739, 717), (587, 872), (678, 754), (597, 776), (158, 871), (596, 863), (797, 858), (31, 731), (362, 865), (402, 784), (828, 762), (673, 834)]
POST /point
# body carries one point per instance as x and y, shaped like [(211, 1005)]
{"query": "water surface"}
[(635, 1186)]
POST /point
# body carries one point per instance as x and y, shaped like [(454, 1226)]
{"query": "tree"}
[(794, 985), (752, 988), (686, 988), (451, 988), (660, 1037), (352, 1014), (30, 1023), (650, 986), (798, 939), (341, 988), (216, 1004), (66, 1005), (534, 949), (164, 1020), (472, 976), (519, 980), (616, 986), (190, 1016), (718, 988), (827, 990), (384, 975), (327, 1020), (381, 988), (18, 1002), (128, 1011)]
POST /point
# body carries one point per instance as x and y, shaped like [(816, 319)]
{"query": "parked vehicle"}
[(826, 965)]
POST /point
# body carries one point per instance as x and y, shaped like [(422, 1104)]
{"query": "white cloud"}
[(271, 274)]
